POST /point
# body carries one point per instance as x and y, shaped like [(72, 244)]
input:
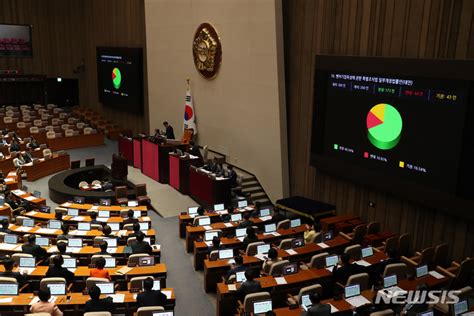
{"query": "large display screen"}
[(15, 40), (120, 77), (394, 124)]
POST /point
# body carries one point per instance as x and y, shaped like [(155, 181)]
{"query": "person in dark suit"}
[(168, 130), (8, 273), (249, 286), (136, 230), (201, 211), (317, 309), (57, 271), (4, 228), (237, 267), (28, 156), (194, 150), (277, 216), (232, 175), (130, 219), (96, 304), (346, 269), (32, 248), (216, 245), (107, 231), (150, 297), (103, 245), (141, 246), (94, 220), (393, 257), (62, 247), (33, 144), (65, 235), (246, 222), (251, 237)]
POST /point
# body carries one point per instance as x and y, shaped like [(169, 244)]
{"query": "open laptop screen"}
[(8, 289), (106, 287), (390, 281), (242, 203), (57, 288), (421, 271), (219, 207), (54, 224), (295, 222), (261, 307), (351, 290), (83, 226)]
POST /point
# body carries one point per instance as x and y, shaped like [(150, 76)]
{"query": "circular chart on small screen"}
[(384, 126), (116, 78)]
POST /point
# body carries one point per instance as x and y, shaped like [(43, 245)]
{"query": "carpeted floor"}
[(188, 284)]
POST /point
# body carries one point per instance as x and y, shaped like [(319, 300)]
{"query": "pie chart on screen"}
[(116, 78), (384, 126)]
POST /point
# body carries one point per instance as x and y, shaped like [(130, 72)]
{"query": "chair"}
[(277, 268), (187, 136), (460, 273), (400, 269), (121, 195), (47, 153), (45, 281), (69, 133), (385, 312), (128, 227), (7, 120), (141, 194), (285, 244), (95, 182), (315, 237), (20, 125), (97, 239), (357, 236), (96, 227), (293, 300), (80, 125), (50, 134), (90, 162), (205, 152), (317, 261), (360, 278), (448, 309), (91, 281), (149, 310), (37, 123), (247, 307), (404, 245), (197, 218), (16, 257), (55, 121), (354, 251), (50, 106), (39, 314), (134, 259), (94, 258), (19, 220), (284, 224), (65, 127), (441, 256), (373, 228), (389, 245), (75, 164), (131, 240), (214, 255), (252, 248), (82, 184), (425, 257), (87, 130)]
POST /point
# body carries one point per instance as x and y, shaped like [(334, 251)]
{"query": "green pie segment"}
[(384, 126), (116, 78)]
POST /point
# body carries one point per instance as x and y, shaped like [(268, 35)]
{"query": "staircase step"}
[(253, 190)]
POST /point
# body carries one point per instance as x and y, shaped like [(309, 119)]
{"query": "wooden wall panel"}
[(395, 28)]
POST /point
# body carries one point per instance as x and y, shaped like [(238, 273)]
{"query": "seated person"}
[(32, 248), (10, 200), (272, 258), (216, 245), (277, 215), (44, 306), (33, 143), (232, 175), (14, 146), (150, 297), (345, 269), (317, 309), (130, 219), (93, 216), (62, 247), (4, 228), (141, 246), (8, 273), (57, 271), (238, 266), (201, 211), (246, 222), (99, 271), (96, 304), (136, 230), (28, 156), (220, 172), (249, 286), (58, 216), (250, 238), (19, 161), (107, 231), (194, 150), (103, 245), (65, 235), (312, 231)]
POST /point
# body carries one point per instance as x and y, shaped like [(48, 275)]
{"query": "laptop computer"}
[(240, 277), (421, 271), (353, 297), (146, 261), (74, 242), (54, 224), (103, 213), (114, 226), (132, 203), (306, 302), (226, 254), (264, 212), (156, 285), (297, 242), (367, 252), (72, 212), (242, 203), (105, 202), (295, 222), (110, 262), (261, 307), (79, 199), (9, 289), (28, 222), (57, 288), (270, 228), (240, 232), (43, 209), (26, 262), (209, 236), (164, 313), (390, 284), (192, 211), (331, 261), (461, 307), (37, 194), (83, 226), (290, 268), (106, 287), (236, 217), (10, 239), (111, 242), (69, 263), (137, 214), (263, 249), (204, 221), (42, 241), (219, 207), (144, 225)]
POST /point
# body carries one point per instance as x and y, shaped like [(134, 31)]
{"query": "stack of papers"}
[(228, 225), (66, 204), (357, 301), (77, 218), (207, 227), (52, 249), (46, 231), (363, 263), (223, 212), (323, 245), (231, 287), (111, 250), (103, 219), (27, 270), (23, 229), (248, 208), (333, 309), (7, 246), (117, 298), (121, 233), (18, 192), (436, 275), (265, 218), (30, 198), (146, 219), (260, 256), (6, 300), (291, 252), (73, 249), (124, 270), (280, 280), (241, 239), (95, 207), (32, 213), (167, 293)]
